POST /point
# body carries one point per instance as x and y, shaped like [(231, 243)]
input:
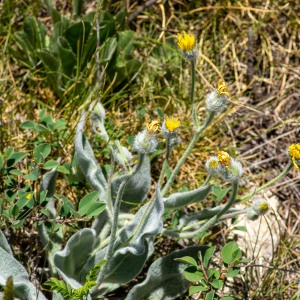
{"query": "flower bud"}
[(212, 165), (145, 142), (217, 100), (122, 156), (225, 166), (97, 118), (259, 207)]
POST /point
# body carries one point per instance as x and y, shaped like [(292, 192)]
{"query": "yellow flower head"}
[(222, 88), (263, 207), (294, 151), (213, 163), (186, 42), (224, 159), (172, 123), (28, 197), (153, 126)]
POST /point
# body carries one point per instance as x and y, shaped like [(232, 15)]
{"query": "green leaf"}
[(1, 161), (213, 272), (63, 169), (95, 209), (67, 56), (86, 201), (208, 255), (50, 164), (14, 158), (232, 273), (227, 298), (187, 260), (77, 6), (219, 192), (60, 124), (16, 172), (217, 284), (77, 35), (196, 289), (49, 60), (193, 274), (230, 252), (41, 151), (28, 125), (240, 228), (33, 175), (210, 295)]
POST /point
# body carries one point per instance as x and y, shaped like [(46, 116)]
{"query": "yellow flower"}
[(153, 126), (224, 158), (28, 197), (263, 207), (172, 123), (222, 88), (294, 151), (213, 164), (186, 42)]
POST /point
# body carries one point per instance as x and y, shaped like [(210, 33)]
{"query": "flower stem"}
[(282, 174), (187, 152), (110, 250), (165, 163), (194, 115)]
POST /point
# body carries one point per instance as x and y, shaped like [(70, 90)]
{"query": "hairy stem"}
[(269, 183), (194, 115), (187, 152), (110, 250)]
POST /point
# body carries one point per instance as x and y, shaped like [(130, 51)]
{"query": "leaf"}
[(178, 200), (133, 245), (196, 289), (76, 7), (193, 274), (208, 255), (9, 266), (137, 187), (87, 161), (165, 277), (28, 125), (14, 158), (217, 284), (76, 35), (50, 164), (41, 151), (49, 60), (210, 295), (35, 32), (231, 252), (90, 205), (1, 161), (232, 273), (67, 56), (187, 260), (70, 261)]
